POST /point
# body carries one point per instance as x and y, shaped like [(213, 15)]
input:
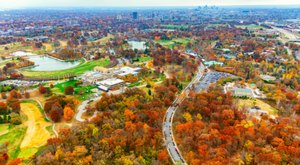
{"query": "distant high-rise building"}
[(119, 17), (134, 15)]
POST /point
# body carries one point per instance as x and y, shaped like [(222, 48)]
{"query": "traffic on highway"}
[(173, 150)]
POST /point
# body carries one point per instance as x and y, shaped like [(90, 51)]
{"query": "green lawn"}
[(27, 153), (174, 26), (216, 25), (85, 90), (134, 84), (171, 43), (80, 69), (4, 127), (14, 138), (50, 130), (143, 59)]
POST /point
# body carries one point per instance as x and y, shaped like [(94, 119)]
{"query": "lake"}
[(210, 63), (140, 45), (45, 63)]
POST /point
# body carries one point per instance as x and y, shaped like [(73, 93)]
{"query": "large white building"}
[(109, 84), (128, 70)]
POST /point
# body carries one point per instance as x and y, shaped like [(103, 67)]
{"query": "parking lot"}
[(20, 83), (207, 79)]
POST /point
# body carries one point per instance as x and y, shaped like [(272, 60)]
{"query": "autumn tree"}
[(27, 95), (42, 89), (14, 104), (69, 90), (68, 113), (3, 108), (55, 115)]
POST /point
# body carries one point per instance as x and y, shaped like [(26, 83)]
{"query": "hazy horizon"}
[(140, 3)]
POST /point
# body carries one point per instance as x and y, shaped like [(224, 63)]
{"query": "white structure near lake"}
[(109, 84)]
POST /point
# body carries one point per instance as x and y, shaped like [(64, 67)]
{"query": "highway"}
[(168, 119), (288, 34)]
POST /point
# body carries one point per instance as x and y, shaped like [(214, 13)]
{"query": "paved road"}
[(290, 36), (82, 107), (167, 124)]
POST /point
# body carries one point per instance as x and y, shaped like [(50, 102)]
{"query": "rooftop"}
[(110, 82)]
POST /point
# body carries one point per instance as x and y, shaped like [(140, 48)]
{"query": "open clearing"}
[(143, 59), (173, 42), (81, 91), (251, 27), (17, 46), (14, 137), (263, 106), (36, 134), (174, 26), (104, 40)]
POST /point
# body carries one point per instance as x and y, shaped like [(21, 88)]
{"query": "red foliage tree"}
[(42, 89), (55, 115)]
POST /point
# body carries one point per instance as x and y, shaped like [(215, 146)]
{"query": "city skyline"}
[(136, 3)]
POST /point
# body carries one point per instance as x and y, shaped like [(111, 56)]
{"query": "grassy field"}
[(171, 43), (4, 127), (48, 47), (264, 106), (36, 134), (174, 26), (80, 69), (26, 139), (85, 90), (27, 153), (14, 137), (3, 63), (250, 27), (13, 47), (216, 25), (104, 40), (143, 59)]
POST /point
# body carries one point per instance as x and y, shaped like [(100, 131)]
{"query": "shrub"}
[(15, 119)]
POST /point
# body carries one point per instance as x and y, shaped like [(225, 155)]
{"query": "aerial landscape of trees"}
[(127, 130), (212, 130)]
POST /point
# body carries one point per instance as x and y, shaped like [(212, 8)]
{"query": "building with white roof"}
[(128, 70), (108, 84), (92, 77)]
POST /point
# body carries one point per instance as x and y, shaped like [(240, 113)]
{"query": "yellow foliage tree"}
[(188, 117)]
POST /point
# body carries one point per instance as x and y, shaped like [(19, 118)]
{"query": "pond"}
[(45, 63), (210, 63), (140, 45)]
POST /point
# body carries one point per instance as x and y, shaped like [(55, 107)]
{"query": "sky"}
[(133, 3)]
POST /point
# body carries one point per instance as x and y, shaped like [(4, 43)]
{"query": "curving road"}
[(82, 107), (169, 140)]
